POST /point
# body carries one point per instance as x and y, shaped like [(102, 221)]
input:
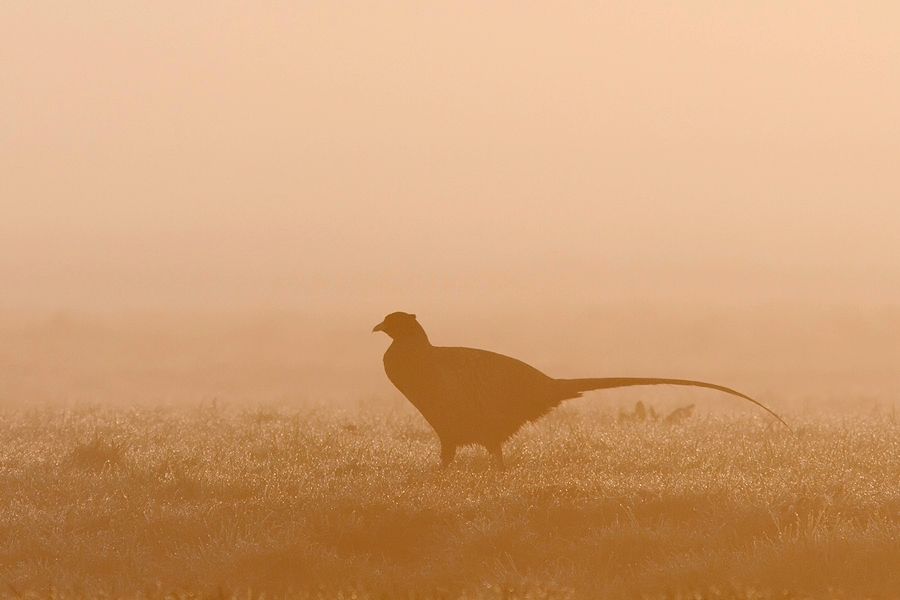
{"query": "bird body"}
[(472, 396)]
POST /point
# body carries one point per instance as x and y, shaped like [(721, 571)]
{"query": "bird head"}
[(401, 325)]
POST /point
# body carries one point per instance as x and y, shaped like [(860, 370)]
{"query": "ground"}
[(294, 502)]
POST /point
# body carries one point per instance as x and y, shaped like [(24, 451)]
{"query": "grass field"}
[(222, 502)]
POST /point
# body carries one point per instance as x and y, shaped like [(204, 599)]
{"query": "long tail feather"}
[(605, 383)]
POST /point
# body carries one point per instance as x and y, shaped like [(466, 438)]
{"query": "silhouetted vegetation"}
[(213, 501)]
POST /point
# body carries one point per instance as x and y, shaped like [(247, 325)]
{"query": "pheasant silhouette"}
[(472, 396)]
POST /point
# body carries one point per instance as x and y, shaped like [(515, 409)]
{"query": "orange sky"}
[(221, 155)]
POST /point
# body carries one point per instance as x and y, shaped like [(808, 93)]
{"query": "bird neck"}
[(414, 336)]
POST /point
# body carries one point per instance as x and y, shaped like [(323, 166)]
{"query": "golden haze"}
[(206, 207)]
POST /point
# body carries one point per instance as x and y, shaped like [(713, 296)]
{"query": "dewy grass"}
[(311, 503)]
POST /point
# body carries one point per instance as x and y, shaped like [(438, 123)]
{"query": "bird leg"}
[(497, 454), (448, 451)]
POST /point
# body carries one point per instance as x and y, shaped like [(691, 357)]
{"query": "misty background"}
[(220, 200)]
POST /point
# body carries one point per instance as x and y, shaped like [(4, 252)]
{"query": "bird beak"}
[(379, 327)]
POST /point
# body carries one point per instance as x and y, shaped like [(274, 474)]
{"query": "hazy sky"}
[(229, 154)]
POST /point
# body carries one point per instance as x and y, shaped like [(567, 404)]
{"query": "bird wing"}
[(492, 391)]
